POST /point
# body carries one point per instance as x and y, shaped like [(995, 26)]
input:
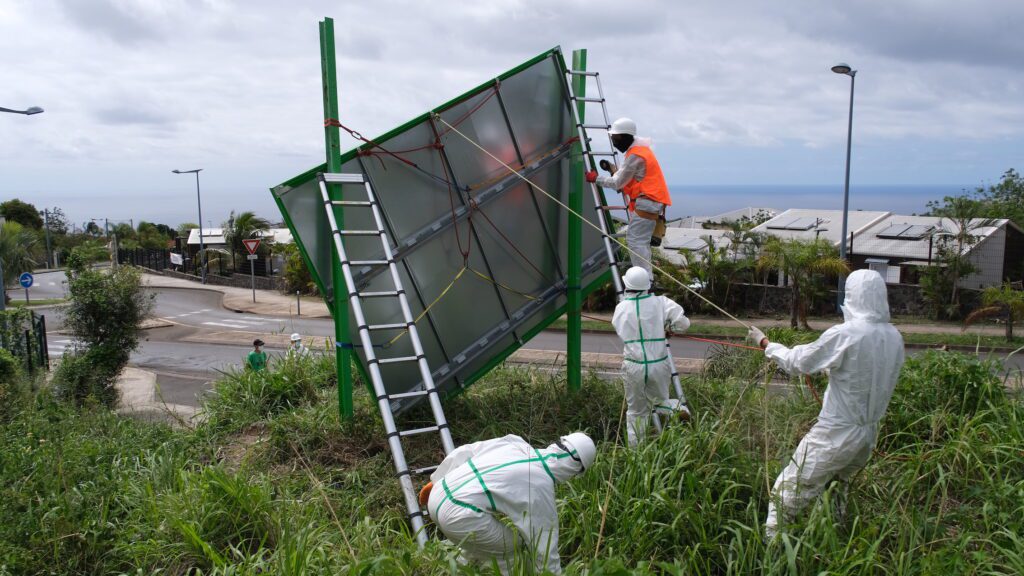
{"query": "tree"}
[(240, 227), (183, 228), (92, 229), (104, 314), (21, 212), (962, 219), (1005, 199), (1000, 301), (296, 275), (16, 245), (56, 221), (801, 261)]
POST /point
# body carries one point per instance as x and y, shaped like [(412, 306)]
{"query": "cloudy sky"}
[(732, 92)]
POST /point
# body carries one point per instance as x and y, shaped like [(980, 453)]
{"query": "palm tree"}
[(965, 217), (1000, 301), (16, 244), (800, 261), (240, 227)]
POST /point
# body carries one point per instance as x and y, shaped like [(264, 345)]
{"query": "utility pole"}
[(49, 250)]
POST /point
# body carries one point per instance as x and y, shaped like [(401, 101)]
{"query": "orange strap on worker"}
[(653, 185), (425, 493)]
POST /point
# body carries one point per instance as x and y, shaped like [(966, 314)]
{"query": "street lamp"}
[(28, 112), (845, 69), (199, 201)]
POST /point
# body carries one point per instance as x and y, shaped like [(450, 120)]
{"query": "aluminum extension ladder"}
[(373, 363), (599, 202)]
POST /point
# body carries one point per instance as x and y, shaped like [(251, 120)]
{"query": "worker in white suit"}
[(481, 490), (640, 320), (863, 357)]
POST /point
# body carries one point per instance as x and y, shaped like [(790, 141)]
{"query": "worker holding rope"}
[(640, 320), (863, 357), (640, 178)]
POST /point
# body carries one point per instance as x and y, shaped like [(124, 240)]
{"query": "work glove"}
[(755, 336), (591, 176)]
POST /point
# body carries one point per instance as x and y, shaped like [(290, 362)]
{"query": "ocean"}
[(708, 200)]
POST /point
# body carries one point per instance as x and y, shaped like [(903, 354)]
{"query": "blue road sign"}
[(25, 279)]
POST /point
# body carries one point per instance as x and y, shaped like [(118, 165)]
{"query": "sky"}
[(737, 96)]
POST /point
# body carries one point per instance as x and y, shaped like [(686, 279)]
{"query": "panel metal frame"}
[(514, 320)]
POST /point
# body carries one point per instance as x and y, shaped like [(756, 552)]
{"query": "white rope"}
[(589, 223)]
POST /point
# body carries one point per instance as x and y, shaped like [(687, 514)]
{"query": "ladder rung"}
[(582, 73), (360, 232), (400, 326), (352, 203), (416, 431), (387, 294), (611, 207), (343, 178), (595, 126), (424, 470), (588, 99), (413, 394), (397, 359), (599, 153), (368, 263)]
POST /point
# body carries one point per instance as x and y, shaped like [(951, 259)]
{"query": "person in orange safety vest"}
[(641, 180)]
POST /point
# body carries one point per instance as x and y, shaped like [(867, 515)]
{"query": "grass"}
[(698, 328), (40, 302), (273, 483)]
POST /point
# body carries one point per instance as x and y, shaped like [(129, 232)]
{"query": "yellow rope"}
[(500, 285), (589, 223), (427, 309)]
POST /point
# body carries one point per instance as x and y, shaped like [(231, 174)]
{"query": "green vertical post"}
[(574, 308), (339, 298)]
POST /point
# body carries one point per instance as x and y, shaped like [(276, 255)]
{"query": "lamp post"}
[(842, 68), (199, 202), (27, 112)]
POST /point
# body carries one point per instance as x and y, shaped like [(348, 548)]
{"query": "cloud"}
[(234, 86)]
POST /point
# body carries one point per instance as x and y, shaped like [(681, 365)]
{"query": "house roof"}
[(730, 216), (809, 223), (901, 236), (211, 236), (692, 239)]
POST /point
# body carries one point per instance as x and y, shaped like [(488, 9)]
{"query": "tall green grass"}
[(275, 484)]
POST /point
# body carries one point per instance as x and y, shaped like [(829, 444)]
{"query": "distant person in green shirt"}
[(257, 359)]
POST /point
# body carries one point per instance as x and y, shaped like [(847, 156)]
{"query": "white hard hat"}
[(636, 278), (623, 126), (296, 337), (584, 447)]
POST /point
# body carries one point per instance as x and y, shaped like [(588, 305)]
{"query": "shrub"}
[(10, 377), (104, 313)]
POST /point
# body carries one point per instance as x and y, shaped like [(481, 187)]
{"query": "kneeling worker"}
[(482, 487), (640, 178), (640, 321), (863, 357)]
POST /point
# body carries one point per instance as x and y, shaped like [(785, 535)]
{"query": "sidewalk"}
[(140, 397), (824, 324), (270, 302)]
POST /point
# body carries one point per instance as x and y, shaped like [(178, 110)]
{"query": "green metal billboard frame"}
[(335, 159)]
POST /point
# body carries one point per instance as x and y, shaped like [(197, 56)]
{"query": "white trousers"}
[(644, 396), (825, 453)]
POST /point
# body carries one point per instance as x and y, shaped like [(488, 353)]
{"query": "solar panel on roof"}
[(782, 223), (893, 231), (805, 223)]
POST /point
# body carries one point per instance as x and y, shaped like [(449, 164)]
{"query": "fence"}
[(218, 263), (23, 334)]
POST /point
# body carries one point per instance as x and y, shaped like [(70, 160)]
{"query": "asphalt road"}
[(184, 368)]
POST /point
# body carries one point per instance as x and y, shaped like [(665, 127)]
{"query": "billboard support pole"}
[(339, 300), (573, 333)]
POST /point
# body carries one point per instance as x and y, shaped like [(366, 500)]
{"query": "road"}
[(185, 367)]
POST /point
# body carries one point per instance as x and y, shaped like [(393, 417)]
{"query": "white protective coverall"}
[(863, 357), (640, 322), (479, 485)]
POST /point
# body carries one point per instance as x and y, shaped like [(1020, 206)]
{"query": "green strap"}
[(487, 490), (448, 493), (646, 362), (635, 298), (642, 340), (545, 465), (456, 501), (640, 329)]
